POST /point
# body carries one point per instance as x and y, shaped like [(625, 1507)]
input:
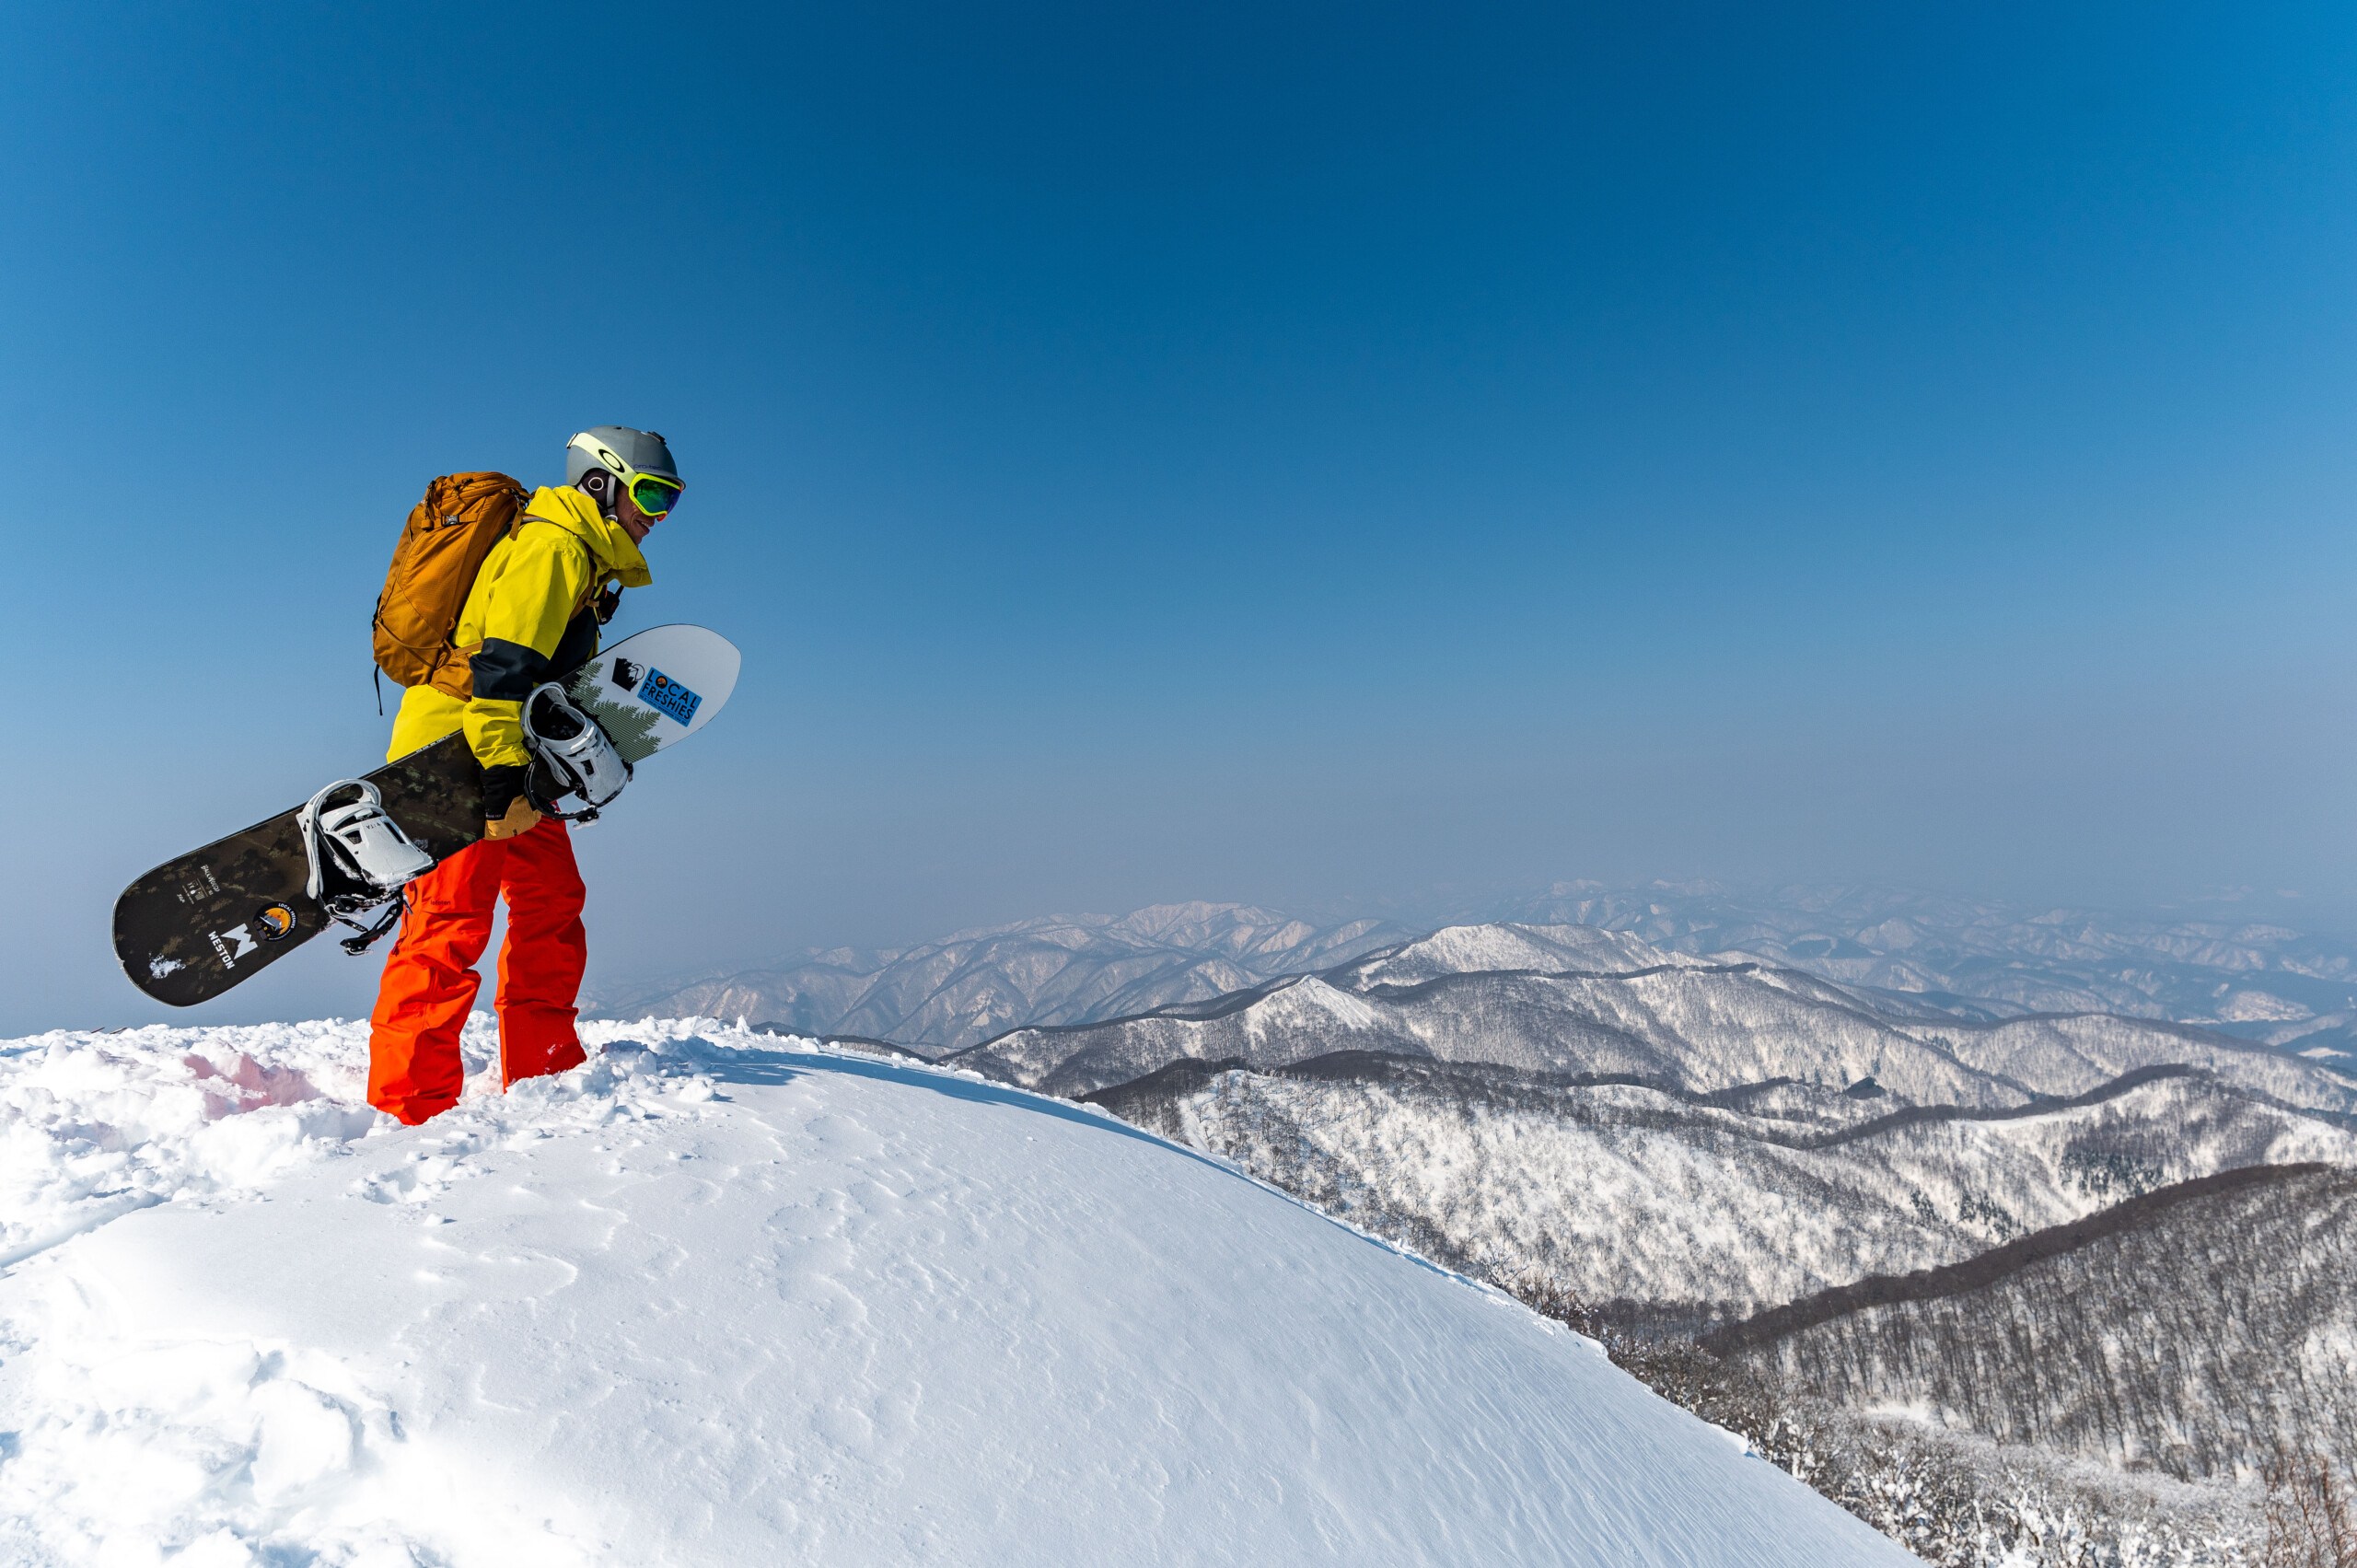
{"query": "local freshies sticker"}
[(667, 696)]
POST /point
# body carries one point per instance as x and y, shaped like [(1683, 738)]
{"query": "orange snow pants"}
[(415, 1071)]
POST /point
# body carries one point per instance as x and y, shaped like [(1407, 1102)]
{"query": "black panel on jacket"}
[(508, 671), (580, 640)]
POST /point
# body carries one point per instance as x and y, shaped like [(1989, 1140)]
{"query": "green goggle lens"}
[(654, 496)]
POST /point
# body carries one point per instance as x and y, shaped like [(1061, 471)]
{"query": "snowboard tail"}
[(207, 921), (193, 927)]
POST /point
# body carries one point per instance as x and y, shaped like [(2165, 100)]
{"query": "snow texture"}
[(719, 1298)]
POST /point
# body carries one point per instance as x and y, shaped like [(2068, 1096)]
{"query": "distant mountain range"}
[(965, 988), (2235, 965), (1580, 1001), (1927, 954)]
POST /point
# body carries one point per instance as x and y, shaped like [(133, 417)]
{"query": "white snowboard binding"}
[(372, 857), (577, 751), (362, 842)]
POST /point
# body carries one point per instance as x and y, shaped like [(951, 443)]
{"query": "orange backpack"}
[(443, 546)]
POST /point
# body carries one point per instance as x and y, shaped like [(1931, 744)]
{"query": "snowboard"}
[(207, 920)]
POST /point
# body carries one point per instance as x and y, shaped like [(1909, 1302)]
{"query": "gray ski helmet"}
[(619, 448)]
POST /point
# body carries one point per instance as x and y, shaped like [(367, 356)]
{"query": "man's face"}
[(635, 522)]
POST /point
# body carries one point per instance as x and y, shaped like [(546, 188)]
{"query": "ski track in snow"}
[(718, 1298)]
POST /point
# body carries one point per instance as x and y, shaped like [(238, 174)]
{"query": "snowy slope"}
[(716, 1300)]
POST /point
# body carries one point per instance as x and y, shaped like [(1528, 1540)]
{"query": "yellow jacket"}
[(526, 620)]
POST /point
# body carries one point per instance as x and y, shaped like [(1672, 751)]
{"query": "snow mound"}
[(719, 1298), (93, 1126)]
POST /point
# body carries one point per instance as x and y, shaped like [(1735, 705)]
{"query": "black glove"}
[(501, 785)]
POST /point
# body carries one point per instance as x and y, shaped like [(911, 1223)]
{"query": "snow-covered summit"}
[(717, 1299), (1544, 950)]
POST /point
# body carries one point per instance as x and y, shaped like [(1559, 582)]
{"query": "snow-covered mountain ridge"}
[(964, 988), (1703, 1208), (2242, 966), (716, 1298), (1525, 997)]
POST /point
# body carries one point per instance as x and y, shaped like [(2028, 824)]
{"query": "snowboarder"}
[(534, 609)]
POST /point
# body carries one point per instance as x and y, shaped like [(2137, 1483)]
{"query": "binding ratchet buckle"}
[(359, 858)]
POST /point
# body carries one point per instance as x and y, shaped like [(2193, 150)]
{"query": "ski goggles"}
[(654, 495)]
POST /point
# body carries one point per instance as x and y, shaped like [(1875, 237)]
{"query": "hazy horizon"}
[(335, 986)]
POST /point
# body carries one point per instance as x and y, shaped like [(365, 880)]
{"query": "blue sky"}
[(1329, 455)]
